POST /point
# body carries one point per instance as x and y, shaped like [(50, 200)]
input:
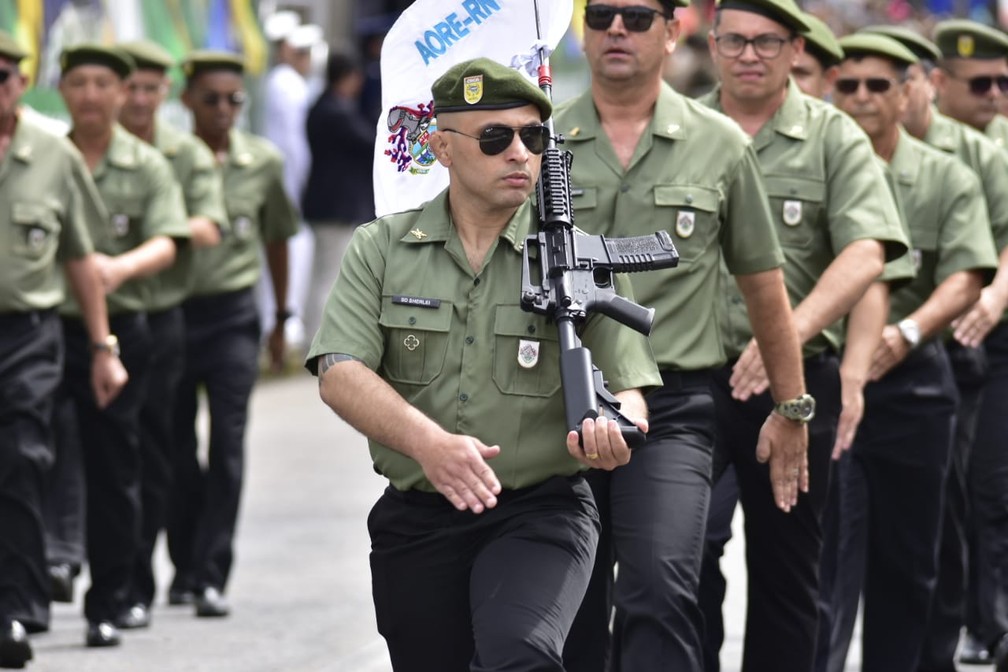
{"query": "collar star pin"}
[(418, 234)]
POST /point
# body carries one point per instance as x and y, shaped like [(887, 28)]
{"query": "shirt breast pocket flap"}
[(35, 230), (526, 357), (795, 202), (690, 214), (416, 341), (584, 198)]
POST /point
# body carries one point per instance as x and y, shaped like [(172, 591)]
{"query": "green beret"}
[(202, 61), (784, 12), (148, 55), (821, 42), (873, 44), (10, 49), (96, 54), (923, 48), (483, 84), (959, 38)]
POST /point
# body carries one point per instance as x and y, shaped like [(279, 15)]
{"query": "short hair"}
[(341, 64)]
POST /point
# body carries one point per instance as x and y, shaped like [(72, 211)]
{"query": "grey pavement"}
[(300, 590)]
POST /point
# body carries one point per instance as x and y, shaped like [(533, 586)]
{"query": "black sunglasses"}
[(849, 86), (979, 86), (6, 74), (637, 19), (495, 139), (235, 99)]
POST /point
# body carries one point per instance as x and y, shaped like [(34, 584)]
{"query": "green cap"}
[(873, 44), (672, 4), (784, 12), (9, 47), (821, 42), (96, 54), (201, 61), (959, 38), (922, 47), (483, 84), (148, 55)]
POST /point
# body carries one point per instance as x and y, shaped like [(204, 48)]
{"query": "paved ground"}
[(300, 591)]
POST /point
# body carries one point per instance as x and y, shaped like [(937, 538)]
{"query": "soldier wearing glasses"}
[(483, 543), (891, 510), (645, 157), (837, 223), (222, 332)]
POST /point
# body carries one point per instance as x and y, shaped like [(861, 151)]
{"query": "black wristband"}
[(283, 316)]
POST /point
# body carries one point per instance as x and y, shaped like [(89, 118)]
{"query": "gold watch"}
[(800, 409), (109, 345)]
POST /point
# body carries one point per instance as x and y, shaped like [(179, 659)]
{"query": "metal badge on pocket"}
[(685, 223), (411, 342), (120, 224), (36, 238), (242, 227), (528, 353), (792, 213)]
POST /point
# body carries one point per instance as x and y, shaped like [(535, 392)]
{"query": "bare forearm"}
[(864, 332), (633, 404), (276, 259), (82, 276), (841, 285), (150, 257), (1000, 282), (774, 331), (949, 299)]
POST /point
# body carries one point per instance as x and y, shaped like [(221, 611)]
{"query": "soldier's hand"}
[(784, 443), (277, 345), (108, 378), (749, 376), (972, 327), (457, 468), (891, 350), (204, 232), (851, 412), (111, 272), (603, 444)]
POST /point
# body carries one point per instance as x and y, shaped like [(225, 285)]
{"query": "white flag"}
[(430, 37)]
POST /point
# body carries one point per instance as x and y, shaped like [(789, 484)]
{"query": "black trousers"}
[(724, 499), (987, 617), (892, 495), (157, 445), (948, 613), (222, 357), (111, 450), (31, 365), (455, 591), (653, 511), (782, 549)]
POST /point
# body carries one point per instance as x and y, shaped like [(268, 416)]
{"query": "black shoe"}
[(102, 633), (211, 604), (178, 596), (137, 616), (973, 652), (999, 653), (15, 650), (62, 581)]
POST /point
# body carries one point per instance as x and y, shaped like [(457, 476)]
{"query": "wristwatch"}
[(109, 345), (910, 331), (800, 409)]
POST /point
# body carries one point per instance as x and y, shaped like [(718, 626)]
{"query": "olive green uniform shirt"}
[(997, 130), (826, 191), (193, 166), (143, 201), (694, 175), (949, 228), (258, 211), (457, 345), (42, 217)]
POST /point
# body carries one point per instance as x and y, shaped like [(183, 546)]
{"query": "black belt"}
[(684, 380), (19, 318)]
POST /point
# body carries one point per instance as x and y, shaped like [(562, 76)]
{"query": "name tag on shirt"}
[(418, 301)]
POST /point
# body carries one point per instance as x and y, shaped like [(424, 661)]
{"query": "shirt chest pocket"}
[(416, 341), (796, 203), (689, 213), (526, 357), (34, 232), (126, 218), (243, 225)]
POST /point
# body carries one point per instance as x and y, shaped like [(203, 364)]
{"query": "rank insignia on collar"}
[(528, 353), (418, 234), (792, 213), (685, 223)]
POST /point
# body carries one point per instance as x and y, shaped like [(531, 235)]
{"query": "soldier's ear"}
[(441, 147)]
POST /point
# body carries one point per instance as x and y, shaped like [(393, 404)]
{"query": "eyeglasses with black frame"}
[(495, 139), (848, 86), (979, 86), (234, 99), (636, 18), (767, 45)]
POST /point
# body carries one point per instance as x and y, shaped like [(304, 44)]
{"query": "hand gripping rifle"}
[(575, 278)]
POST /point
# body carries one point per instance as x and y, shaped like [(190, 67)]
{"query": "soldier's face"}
[(877, 112), (216, 99), (958, 95), (616, 53), (145, 91), (93, 94), (11, 88), (810, 76), (754, 75), (919, 92)]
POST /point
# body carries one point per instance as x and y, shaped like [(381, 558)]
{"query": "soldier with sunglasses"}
[(222, 332), (484, 540), (646, 157)]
